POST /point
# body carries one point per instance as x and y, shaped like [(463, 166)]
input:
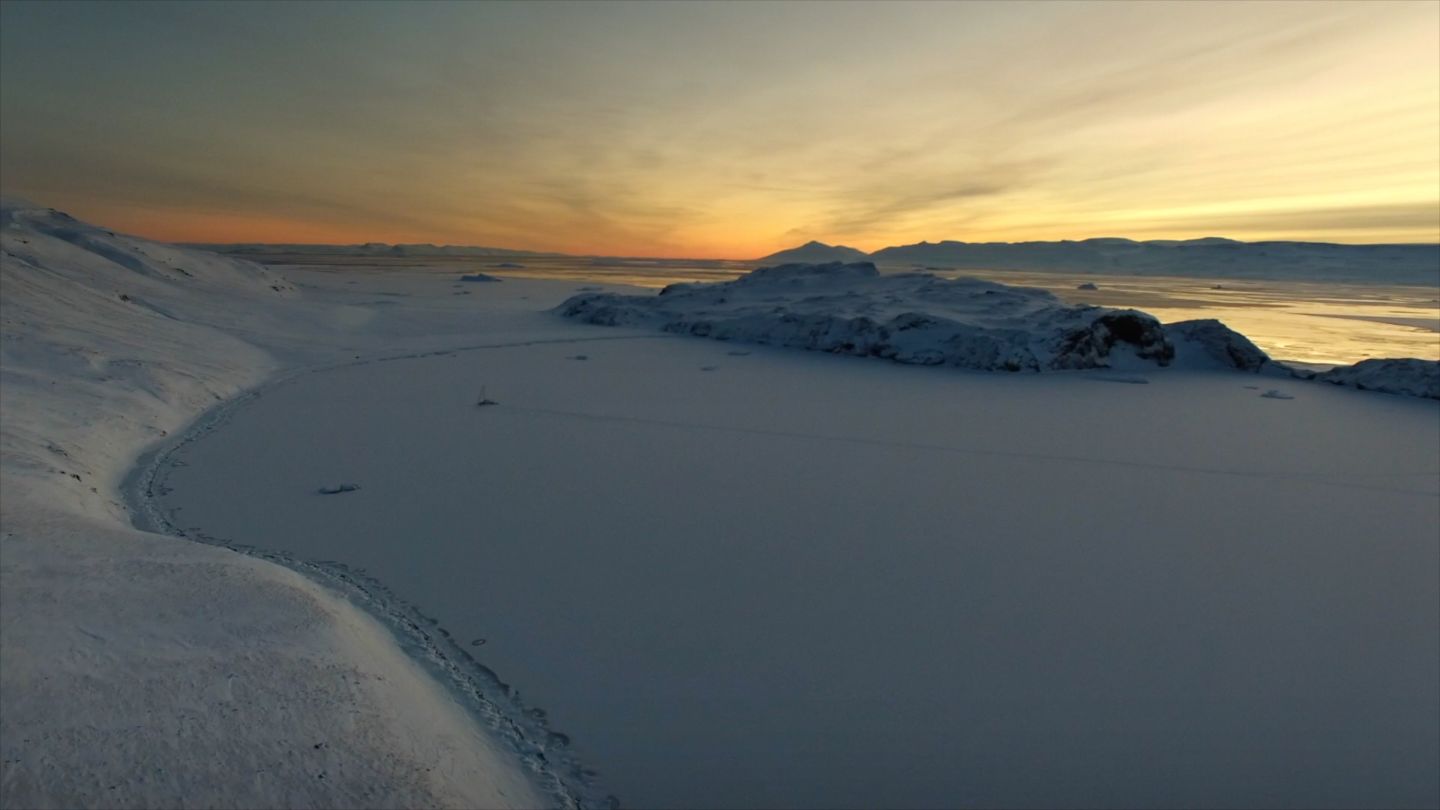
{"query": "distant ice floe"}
[(915, 318), (478, 277)]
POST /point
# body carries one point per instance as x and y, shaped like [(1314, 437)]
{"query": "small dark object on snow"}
[(484, 400), (479, 642), (337, 489)]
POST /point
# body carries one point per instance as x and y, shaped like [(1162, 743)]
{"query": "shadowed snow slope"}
[(144, 670)]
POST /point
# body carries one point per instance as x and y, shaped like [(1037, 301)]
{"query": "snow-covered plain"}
[(734, 575), (781, 579)]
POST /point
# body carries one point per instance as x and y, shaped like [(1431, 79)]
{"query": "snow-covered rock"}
[(909, 318), (1410, 376), (1208, 342)]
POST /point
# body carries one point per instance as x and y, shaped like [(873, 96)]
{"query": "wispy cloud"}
[(732, 128)]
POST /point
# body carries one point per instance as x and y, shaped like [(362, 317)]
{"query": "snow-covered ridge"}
[(915, 318), (143, 669), (1409, 376)]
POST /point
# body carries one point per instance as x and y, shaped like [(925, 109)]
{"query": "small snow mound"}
[(1407, 376), (478, 277), (1208, 342), (1089, 285), (1275, 393)]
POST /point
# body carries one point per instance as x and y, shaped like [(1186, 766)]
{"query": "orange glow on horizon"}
[(557, 129), (207, 227)]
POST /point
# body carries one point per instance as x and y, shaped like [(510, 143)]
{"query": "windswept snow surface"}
[(773, 578), (138, 669)]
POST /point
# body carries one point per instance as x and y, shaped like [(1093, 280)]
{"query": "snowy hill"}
[(1209, 257), (816, 253), (101, 318), (913, 318), (141, 669)]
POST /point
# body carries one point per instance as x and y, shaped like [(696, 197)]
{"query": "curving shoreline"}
[(498, 706), (141, 668)]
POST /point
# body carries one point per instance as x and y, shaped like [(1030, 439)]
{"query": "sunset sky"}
[(726, 130)]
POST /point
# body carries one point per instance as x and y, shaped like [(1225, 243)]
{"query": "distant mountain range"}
[(1210, 257), (1207, 257)]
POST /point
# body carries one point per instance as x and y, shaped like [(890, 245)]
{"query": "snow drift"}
[(913, 318)]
